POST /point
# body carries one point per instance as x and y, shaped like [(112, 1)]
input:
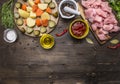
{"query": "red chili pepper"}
[(62, 33), (114, 47)]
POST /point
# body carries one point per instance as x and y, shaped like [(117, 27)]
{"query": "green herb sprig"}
[(115, 4), (7, 19)]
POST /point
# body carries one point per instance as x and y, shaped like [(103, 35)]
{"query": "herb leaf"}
[(114, 41), (89, 41)]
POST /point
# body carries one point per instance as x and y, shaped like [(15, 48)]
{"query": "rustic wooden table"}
[(69, 62)]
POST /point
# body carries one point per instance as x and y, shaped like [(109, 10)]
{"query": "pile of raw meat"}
[(101, 17)]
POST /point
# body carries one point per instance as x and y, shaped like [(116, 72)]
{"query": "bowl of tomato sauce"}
[(79, 29)]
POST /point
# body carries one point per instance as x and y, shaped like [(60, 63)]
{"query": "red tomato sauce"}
[(78, 28)]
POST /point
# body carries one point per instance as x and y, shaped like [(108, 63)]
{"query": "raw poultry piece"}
[(99, 14)]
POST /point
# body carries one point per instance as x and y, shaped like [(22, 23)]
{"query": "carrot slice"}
[(48, 10), (34, 8), (24, 7), (39, 12), (45, 22), (37, 1), (38, 22)]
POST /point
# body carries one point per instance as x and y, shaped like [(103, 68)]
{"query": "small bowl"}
[(73, 2), (47, 41), (10, 35), (84, 34)]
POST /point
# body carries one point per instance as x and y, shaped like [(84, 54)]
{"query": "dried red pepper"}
[(114, 47), (62, 33)]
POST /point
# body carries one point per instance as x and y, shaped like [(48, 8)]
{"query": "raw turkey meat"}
[(87, 3), (103, 21), (115, 29), (98, 19), (108, 27)]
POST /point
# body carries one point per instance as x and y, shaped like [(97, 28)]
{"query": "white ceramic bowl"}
[(71, 2)]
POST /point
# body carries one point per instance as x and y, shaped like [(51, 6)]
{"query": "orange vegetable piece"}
[(45, 22), (39, 12), (37, 1), (38, 22), (48, 10), (34, 8), (24, 7)]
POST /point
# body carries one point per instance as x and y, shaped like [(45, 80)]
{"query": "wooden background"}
[(69, 62)]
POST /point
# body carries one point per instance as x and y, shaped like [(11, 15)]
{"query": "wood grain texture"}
[(69, 62)]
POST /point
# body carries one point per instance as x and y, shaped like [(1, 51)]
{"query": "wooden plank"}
[(109, 77), (43, 81), (69, 62), (105, 55), (110, 82)]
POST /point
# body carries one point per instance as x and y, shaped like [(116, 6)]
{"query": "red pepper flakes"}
[(62, 33)]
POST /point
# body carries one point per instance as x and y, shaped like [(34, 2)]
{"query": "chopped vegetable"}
[(24, 7), (48, 10), (30, 22), (32, 14), (52, 5), (45, 22), (39, 12), (52, 24), (114, 41), (22, 30), (37, 1), (45, 15), (55, 14), (6, 15), (43, 29), (31, 2), (29, 30), (36, 16), (36, 32), (23, 13), (34, 8), (18, 5), (29, 9), (19, 22), (38, 22), (62, 33), (47, 1), (89, 41), (16, 15), (43, 6)]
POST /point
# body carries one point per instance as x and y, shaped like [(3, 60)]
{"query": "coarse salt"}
[(11, 35)]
